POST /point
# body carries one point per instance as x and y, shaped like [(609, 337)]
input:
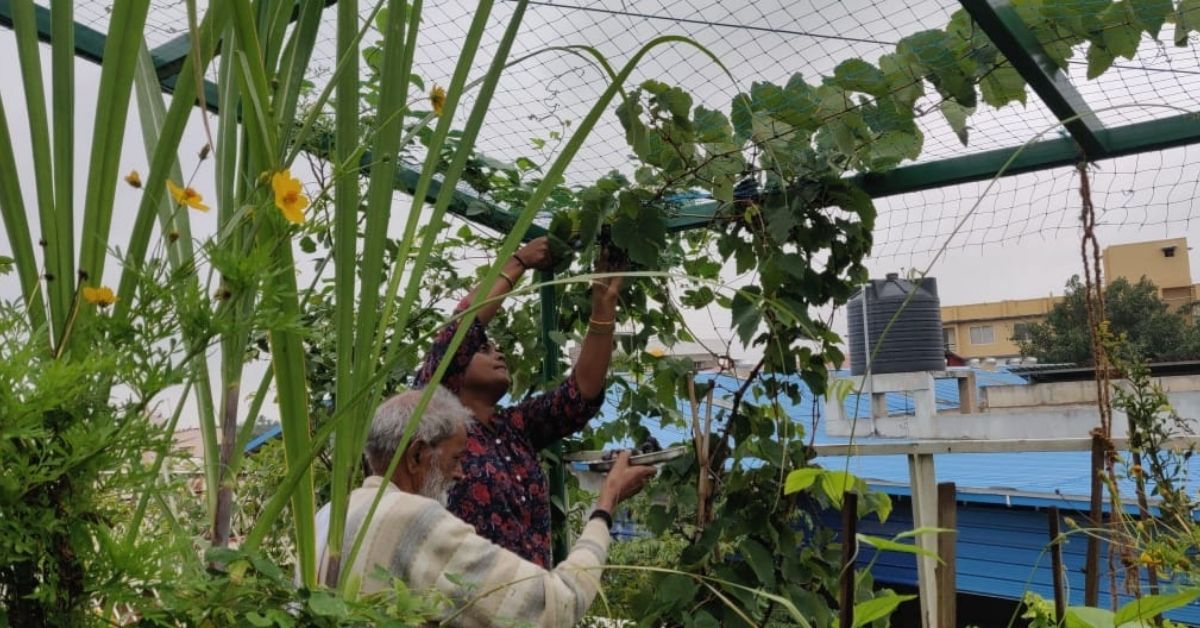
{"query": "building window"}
[(1168, 251), (948, 339), (1020, 331), (1177, 294), (982, 335)]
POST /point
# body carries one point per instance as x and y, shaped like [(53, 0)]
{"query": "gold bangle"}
[(512, 283), (606, 331), (605, 328)]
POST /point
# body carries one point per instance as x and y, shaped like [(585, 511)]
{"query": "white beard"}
[(436, 485)]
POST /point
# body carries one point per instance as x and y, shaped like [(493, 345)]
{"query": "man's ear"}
[(417, 452)]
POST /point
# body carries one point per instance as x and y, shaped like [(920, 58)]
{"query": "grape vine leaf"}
[(905, 87), (931, 51), (1002, 86), (956, 115), (746, 313), (641, 232), (856, 75), (711, 126), (759, 559), (1099, 60), (1122, 30), (1187, 19), (1152, 14)]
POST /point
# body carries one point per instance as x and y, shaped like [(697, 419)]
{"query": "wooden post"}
[(947, 573), (849, 550), (1060, 594), (925, 515), (1091, 583)]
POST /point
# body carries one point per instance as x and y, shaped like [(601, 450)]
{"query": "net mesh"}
[(541, 97)]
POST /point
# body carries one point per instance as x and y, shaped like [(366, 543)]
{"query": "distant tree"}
[(1152, 330)]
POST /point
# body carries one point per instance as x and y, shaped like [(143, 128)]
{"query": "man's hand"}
[(623, 481), (536, 254)]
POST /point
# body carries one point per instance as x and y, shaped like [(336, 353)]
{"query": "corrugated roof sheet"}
[(1059, 475)]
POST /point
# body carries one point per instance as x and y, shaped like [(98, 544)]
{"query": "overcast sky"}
[(1022, 241)]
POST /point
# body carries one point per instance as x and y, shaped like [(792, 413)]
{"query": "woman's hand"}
[(536, 254), (607, 290)]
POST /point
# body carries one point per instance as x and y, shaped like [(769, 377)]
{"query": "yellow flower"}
[(437, 98), (656, 352), (134, 179), (1069, 521), (102, 296), (288, 197), (1148, 560), (187, 196)]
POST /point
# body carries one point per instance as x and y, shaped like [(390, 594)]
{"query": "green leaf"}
[(1122, 33), (895, 146), (742, 118), (258, 619), (1151, 14), (746, 313), (677, 588), (781, 219), (889, 545), (835, 483), (878, 607), (642, 235), (703, 619), (879, 503), (801, 479), (1086, 617), (712, 126), (1002, 86), (1187, 19), (931, 51), (326, 605), (760, 560), (857, 75), (903, 83), (6, 264), (956, 115), (1099, 60), (1150, 606)]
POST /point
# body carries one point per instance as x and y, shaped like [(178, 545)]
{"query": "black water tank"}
[(914, 342)]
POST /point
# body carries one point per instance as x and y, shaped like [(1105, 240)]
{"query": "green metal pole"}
[(558, 473)]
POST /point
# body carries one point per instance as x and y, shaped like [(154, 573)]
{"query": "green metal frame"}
[(1088, 140), (1018, 44)]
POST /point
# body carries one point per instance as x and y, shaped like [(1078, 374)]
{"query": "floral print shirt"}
[(504, 493)]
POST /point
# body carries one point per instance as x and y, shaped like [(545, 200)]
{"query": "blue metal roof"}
[(1061, 476), (260, 440)]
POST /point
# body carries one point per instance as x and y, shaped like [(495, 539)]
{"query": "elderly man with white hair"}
[(414, 538)]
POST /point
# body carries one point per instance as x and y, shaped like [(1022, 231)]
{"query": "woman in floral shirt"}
[(504, 493)]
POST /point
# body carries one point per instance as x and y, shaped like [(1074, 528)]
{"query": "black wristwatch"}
[(601, 513)]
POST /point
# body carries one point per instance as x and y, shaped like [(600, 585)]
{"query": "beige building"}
[(990, 330)]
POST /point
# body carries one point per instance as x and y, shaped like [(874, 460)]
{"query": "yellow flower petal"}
[(656, 352), (437, 98), (289, 196), (186, 196), (102, 296), (134, 179)]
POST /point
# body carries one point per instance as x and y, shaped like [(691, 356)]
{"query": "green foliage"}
[(243, 588), (72, 457), (1134, 311)]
